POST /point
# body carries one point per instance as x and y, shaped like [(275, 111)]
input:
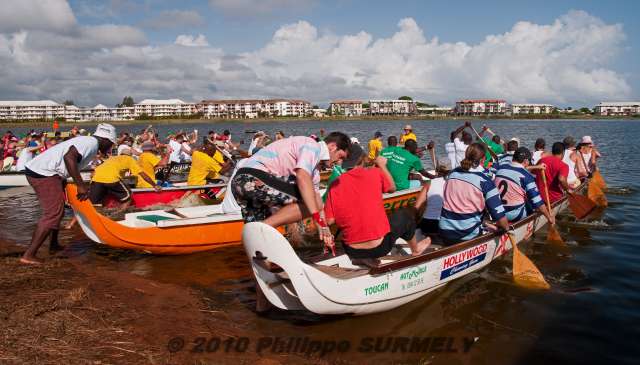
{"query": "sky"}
[(567, 53)]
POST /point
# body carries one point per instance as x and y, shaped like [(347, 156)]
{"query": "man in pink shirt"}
[(279, 184)]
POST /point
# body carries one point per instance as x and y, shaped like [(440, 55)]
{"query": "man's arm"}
[(381, 162), (455, 133), (149, 180), (71, 160), (307, 191)]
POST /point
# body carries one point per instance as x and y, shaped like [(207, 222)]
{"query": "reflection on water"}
[(589, 316)]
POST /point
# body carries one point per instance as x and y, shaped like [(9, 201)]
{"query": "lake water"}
[(590, 315)]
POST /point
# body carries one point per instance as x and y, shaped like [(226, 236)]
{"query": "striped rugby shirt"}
[(518, 191), (466, 196)]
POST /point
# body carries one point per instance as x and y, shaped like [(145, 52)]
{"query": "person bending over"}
[(354, 203)]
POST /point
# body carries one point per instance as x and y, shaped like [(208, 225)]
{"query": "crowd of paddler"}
[(482, 185)]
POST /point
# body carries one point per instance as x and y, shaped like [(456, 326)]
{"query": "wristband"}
[(319, 220)]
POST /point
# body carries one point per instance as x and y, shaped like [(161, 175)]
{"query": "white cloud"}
[(175, 19), (191, 41), (565, 62), (253, 8), (48, 15)]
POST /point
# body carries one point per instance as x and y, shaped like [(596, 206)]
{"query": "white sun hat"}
[(107, 131)]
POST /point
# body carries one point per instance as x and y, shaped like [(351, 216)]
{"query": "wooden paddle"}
[(525, 273), (580, 205), (553, 235), (598, 180), (594, 191), (597, 195), (493, 154)]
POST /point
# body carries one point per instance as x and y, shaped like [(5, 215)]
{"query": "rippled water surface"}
[(590, 316)]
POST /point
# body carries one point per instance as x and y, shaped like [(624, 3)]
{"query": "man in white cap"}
[(47, 174), (408, 134), (279, 184)]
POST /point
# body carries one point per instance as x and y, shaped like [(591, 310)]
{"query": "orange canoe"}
[(181, 231)]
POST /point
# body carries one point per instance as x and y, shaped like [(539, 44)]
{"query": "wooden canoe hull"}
[(176, 240), (145, 198)]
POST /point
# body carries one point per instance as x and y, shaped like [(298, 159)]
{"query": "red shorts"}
[(50, 193)]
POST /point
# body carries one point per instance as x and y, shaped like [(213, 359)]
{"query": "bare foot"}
[(422, 246), (30, 261)]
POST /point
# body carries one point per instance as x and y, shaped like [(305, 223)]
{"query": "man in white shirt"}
[(458, 146), (47, 174)]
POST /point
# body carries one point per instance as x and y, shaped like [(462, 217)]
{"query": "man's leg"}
[(289, 213), (54, 245), (39, 235), (51, 197)]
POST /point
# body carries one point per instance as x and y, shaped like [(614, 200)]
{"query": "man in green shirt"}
[(493, 142), (402, 161)]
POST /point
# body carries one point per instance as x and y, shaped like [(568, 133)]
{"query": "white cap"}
[(324, 151), (107, 131), (586, 140), (515, 139), (355, 140)]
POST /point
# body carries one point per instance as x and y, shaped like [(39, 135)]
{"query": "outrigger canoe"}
[(180, 230), (336, 286)]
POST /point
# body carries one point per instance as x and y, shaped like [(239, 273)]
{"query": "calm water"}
[(590, 316)]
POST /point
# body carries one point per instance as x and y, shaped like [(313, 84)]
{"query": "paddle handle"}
[(546, 190), (493, 154), (432, 152)]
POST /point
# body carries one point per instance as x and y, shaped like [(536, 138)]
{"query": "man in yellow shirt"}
[(107, 180), (408, 134), (148, 162), (375, 146), (206, 164)]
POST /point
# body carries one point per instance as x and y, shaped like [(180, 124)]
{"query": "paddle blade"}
[(580, 205), (596, 178), (597, 195), (553, 236), (525, 273)]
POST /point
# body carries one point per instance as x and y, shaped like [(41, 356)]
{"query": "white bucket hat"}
[(107, 131), (586, 140)]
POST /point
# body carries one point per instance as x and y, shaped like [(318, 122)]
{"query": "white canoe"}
[(335, 286), (14, 179)]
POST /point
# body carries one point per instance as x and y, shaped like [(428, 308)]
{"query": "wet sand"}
[(65, 312)]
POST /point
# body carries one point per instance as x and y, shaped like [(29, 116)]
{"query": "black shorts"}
[(429, 227), (99, 191), (402, 225)]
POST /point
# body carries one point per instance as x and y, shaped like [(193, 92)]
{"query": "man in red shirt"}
[(556, 172), (354, 204)]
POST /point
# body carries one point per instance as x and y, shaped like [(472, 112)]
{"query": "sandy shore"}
[(68, 313)]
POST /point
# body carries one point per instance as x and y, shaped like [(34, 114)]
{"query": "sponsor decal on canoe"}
[(375, 289), (413, 273), (413, 277), (455, 263), (400, 203)]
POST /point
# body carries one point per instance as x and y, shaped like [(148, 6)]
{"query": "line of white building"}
[(255, 108)]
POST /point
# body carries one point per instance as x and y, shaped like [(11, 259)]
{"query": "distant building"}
[(318, 112), (164, 108), (392, 107), (254, 108), (435, 110), (31, 110), (347, 108), (618, 108), (517, 109), (481, 107)]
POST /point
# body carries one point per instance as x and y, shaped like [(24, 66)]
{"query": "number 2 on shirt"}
[(503, 187)]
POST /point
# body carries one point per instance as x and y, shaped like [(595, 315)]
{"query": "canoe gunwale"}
[(411, 261)]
